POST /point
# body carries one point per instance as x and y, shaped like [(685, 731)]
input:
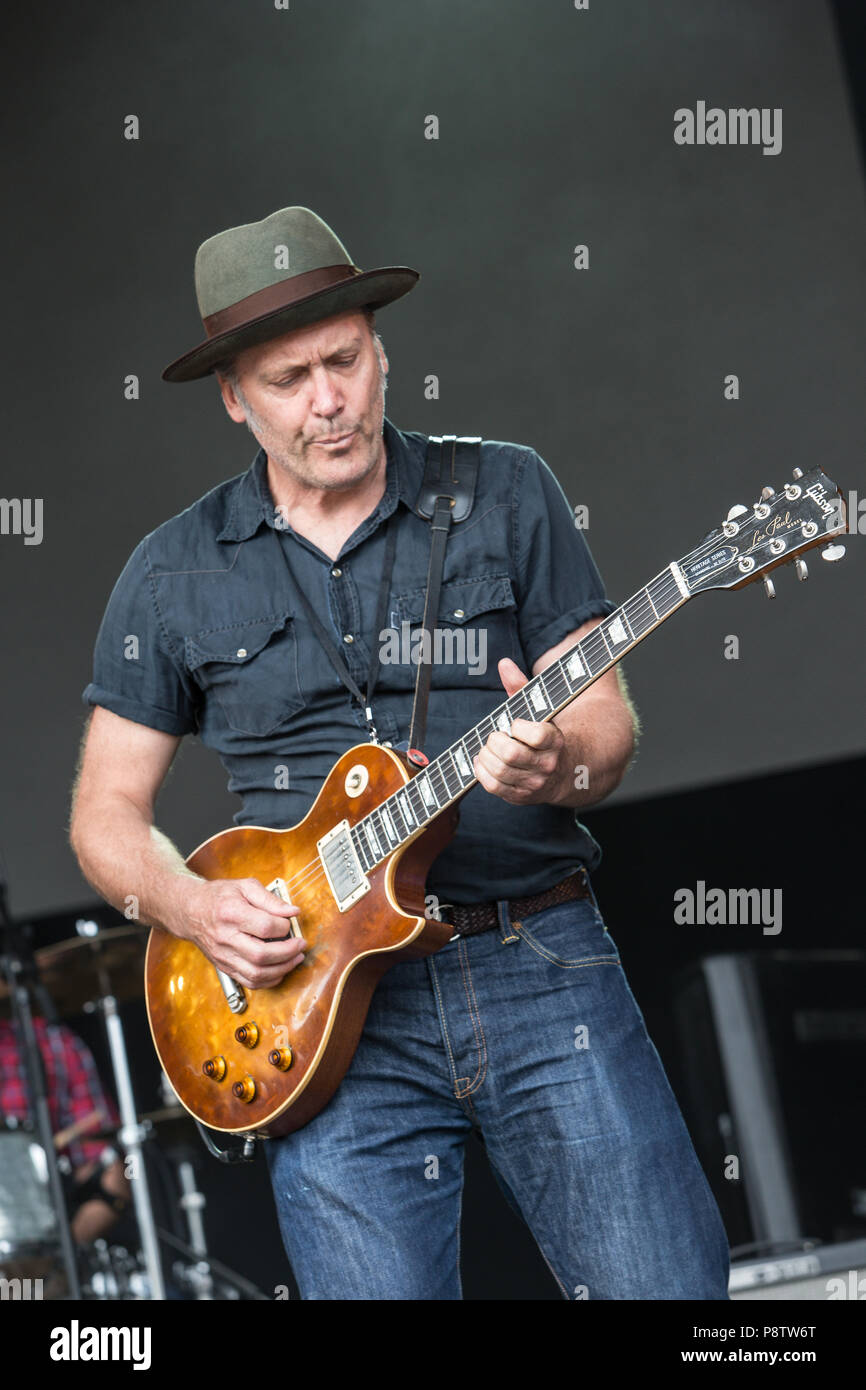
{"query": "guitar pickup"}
[(346, 879)]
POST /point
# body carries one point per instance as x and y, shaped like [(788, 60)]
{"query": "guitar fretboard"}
[(450, 775)]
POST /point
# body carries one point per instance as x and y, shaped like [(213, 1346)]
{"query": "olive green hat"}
[(260, 280)]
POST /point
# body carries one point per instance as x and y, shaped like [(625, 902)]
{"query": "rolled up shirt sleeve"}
[(560, 587), (136, 672)]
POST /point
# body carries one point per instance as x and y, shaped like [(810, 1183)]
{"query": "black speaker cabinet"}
[(773, 1087)]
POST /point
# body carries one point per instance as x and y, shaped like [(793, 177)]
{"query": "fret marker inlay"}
[(445, 779)]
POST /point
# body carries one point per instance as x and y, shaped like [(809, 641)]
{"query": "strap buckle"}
[(439, 918)]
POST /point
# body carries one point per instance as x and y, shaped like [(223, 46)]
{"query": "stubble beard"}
[(296, 464)]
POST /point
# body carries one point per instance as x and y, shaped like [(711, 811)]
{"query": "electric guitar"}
[(266, 1061)]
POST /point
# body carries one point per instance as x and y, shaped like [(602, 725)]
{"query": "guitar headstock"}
[(777, 530)]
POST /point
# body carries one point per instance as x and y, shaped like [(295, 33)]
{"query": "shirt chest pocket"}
[(251, 669), (475, 627)]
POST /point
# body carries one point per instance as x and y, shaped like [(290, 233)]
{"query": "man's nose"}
[(327, 397)]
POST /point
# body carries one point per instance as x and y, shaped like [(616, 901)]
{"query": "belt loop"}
[(506, 931)]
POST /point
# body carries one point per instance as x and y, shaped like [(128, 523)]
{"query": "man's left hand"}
[(529, 766)]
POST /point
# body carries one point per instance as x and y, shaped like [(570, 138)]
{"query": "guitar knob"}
[(248, 1034), (833, 552), (769, 587), (800, 567), (215, 1068), (736, 511), (281, 1058), (767, 493), (798, 472), (245, 1090)]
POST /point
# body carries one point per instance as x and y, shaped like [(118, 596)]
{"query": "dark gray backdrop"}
[(556, 128)]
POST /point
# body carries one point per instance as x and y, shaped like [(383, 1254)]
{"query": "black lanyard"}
[(329, 647)]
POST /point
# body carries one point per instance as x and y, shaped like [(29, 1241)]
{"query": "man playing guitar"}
[(522, 1029)]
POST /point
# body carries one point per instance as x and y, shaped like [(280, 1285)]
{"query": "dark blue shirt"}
[(204, 634)]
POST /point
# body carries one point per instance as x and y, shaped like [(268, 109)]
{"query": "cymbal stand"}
[(193, 1201), (132, 1134)]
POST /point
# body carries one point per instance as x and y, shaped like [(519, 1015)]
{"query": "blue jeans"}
[(530, 1034)]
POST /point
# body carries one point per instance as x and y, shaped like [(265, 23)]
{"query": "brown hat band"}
[(277, 296)]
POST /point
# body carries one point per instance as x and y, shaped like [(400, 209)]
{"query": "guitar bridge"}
[(346, 879)]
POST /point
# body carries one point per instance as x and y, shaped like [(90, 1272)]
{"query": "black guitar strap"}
[(446, 495)]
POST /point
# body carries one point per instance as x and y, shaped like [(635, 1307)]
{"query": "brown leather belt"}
[(471, 919)]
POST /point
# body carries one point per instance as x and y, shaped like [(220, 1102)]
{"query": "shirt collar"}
[(251, 502)]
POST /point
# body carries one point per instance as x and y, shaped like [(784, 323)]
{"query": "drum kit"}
[(96, 971)]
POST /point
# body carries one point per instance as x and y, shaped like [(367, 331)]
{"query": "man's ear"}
[(230, 400)]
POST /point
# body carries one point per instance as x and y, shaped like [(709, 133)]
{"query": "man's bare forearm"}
[(133, 865), (600, 739), (240, 926)]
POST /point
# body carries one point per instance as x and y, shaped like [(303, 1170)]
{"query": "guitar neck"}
[(449, 776)]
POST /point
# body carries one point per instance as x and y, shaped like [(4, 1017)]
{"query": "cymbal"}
[(86, 968), (172, 1124)]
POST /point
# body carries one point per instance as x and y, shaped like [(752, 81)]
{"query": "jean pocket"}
[(251, 669), (568, 935)]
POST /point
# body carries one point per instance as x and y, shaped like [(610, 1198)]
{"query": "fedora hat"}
[(260, 280)]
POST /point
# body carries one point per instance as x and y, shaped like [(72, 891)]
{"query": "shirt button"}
[(336, 573), (348, 637), (242, 651), (458, 613)]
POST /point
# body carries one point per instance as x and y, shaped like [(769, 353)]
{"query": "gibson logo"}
[(818, 494)]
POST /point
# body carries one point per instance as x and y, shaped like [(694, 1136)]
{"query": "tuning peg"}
[(798, 472), (737, 510), (801, 568), (833, 552), (769, 587), (767, 493)]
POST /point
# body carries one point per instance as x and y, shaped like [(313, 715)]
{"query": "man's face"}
[(300, 394)]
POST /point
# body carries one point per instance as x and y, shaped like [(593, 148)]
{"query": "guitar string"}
[(594, 643), (308, 872)]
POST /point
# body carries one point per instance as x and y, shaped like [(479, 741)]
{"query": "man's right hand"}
[(240, 927)]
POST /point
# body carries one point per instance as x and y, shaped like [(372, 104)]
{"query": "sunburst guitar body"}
[(270, 1066)]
